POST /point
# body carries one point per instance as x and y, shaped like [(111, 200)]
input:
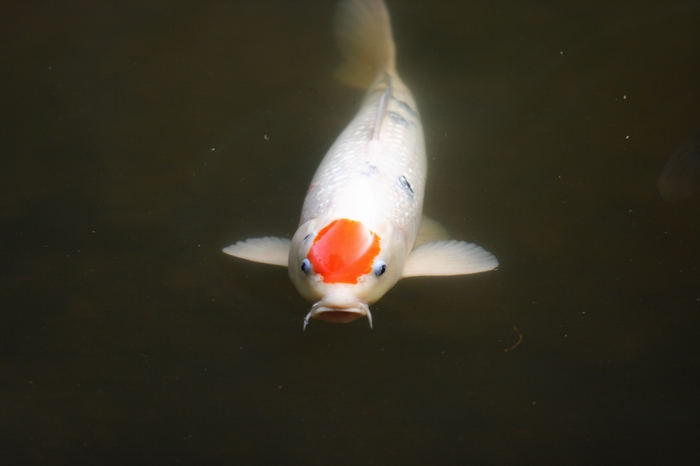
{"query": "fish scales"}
[(360, 176)]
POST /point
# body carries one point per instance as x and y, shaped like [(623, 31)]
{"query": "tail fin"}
[(363, 32)]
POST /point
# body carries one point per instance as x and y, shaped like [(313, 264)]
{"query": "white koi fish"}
[(361, 227)]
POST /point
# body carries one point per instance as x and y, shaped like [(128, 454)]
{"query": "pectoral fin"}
[(428, 231), (268, 250), (448, 258)]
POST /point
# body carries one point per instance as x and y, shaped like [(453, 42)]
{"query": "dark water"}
[(139, 138)]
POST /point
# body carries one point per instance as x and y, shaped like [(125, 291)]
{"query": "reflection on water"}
[(681, 174), (139, 138)]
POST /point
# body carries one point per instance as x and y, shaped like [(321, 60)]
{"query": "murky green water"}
[(139, 138)]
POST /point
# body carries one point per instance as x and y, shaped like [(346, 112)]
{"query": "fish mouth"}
[(338, 314), (341, 316)]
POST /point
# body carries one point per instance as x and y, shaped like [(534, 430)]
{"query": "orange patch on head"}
[(344, 251)]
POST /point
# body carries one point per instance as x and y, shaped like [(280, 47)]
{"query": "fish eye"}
[(306, 266), (379, 268)]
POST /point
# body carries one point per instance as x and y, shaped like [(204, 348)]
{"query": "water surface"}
[(139, 138)]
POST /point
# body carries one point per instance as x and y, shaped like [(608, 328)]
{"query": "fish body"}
[(361, 226)]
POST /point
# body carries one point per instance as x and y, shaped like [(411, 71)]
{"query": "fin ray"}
[(267, 250), (448, 258)]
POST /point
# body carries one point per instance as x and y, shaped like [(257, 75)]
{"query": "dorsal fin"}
[(382, 108)]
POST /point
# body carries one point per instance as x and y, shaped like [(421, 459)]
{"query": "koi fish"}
[(361, 227)]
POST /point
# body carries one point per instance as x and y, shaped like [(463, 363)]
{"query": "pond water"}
[(139, 138)]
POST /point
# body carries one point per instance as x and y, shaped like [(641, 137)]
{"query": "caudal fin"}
[(363, 32)]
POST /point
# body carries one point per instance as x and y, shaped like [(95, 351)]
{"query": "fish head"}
[(342, 266)]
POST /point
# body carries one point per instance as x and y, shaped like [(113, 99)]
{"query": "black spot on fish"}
[(406, 185), (369, 169), (398, 119), (405, 106)]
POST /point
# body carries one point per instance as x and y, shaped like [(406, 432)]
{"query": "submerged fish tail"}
[(363, 33)]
